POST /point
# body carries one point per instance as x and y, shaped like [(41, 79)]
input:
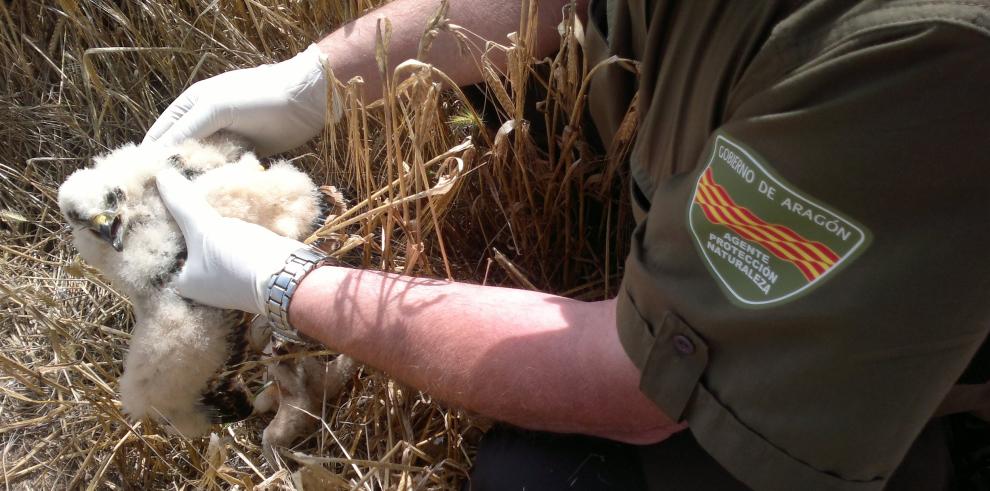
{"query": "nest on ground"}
[(495, 185)]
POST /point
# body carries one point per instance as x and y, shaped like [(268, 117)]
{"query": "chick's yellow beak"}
[(109, 227)]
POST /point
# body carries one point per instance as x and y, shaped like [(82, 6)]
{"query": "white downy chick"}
[(177, 368)]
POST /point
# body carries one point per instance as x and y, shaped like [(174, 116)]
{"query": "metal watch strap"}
[(282, 286)]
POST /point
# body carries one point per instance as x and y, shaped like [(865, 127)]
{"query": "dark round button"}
[(683, 344)]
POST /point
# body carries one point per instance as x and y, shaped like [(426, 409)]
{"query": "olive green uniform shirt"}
[(810, 271)]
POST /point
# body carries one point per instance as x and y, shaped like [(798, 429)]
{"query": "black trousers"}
[(514, 459)]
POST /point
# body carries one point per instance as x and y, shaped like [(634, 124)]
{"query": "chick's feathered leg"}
[(301, 385)]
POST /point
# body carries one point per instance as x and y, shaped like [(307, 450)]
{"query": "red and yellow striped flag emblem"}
[(812, 258)]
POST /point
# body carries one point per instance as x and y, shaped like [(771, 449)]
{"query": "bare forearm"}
[(351, 49), (535, 360)]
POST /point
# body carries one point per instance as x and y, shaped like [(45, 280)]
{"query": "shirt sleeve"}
[(807, 295)]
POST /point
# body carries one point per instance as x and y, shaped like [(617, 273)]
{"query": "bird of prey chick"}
[(176, 369)]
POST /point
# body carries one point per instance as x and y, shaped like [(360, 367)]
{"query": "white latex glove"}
[(229, 261), (277, 107)]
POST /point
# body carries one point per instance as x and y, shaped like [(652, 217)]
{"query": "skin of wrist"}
[(305, 300)]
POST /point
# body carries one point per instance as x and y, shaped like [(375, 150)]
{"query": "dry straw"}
[(440, 184)]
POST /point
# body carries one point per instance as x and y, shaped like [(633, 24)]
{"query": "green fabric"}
[(873, 111)]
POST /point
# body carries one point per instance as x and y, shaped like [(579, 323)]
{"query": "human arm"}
[(281, 106), (350, 49), (532, 359), (536, 360)]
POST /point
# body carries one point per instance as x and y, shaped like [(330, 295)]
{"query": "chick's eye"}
[(113, 197)]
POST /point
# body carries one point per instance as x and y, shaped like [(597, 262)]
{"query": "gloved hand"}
[(277, 107), (229, 261)]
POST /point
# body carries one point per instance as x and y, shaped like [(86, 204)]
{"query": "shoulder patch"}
[(764, 241)]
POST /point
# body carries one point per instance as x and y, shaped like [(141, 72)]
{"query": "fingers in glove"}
[(187, 206), (199, 122), (174, 112)]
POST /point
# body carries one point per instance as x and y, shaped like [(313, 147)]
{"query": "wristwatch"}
[(282, 285)]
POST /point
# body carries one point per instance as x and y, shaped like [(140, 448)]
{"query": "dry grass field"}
[(439, 183)]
